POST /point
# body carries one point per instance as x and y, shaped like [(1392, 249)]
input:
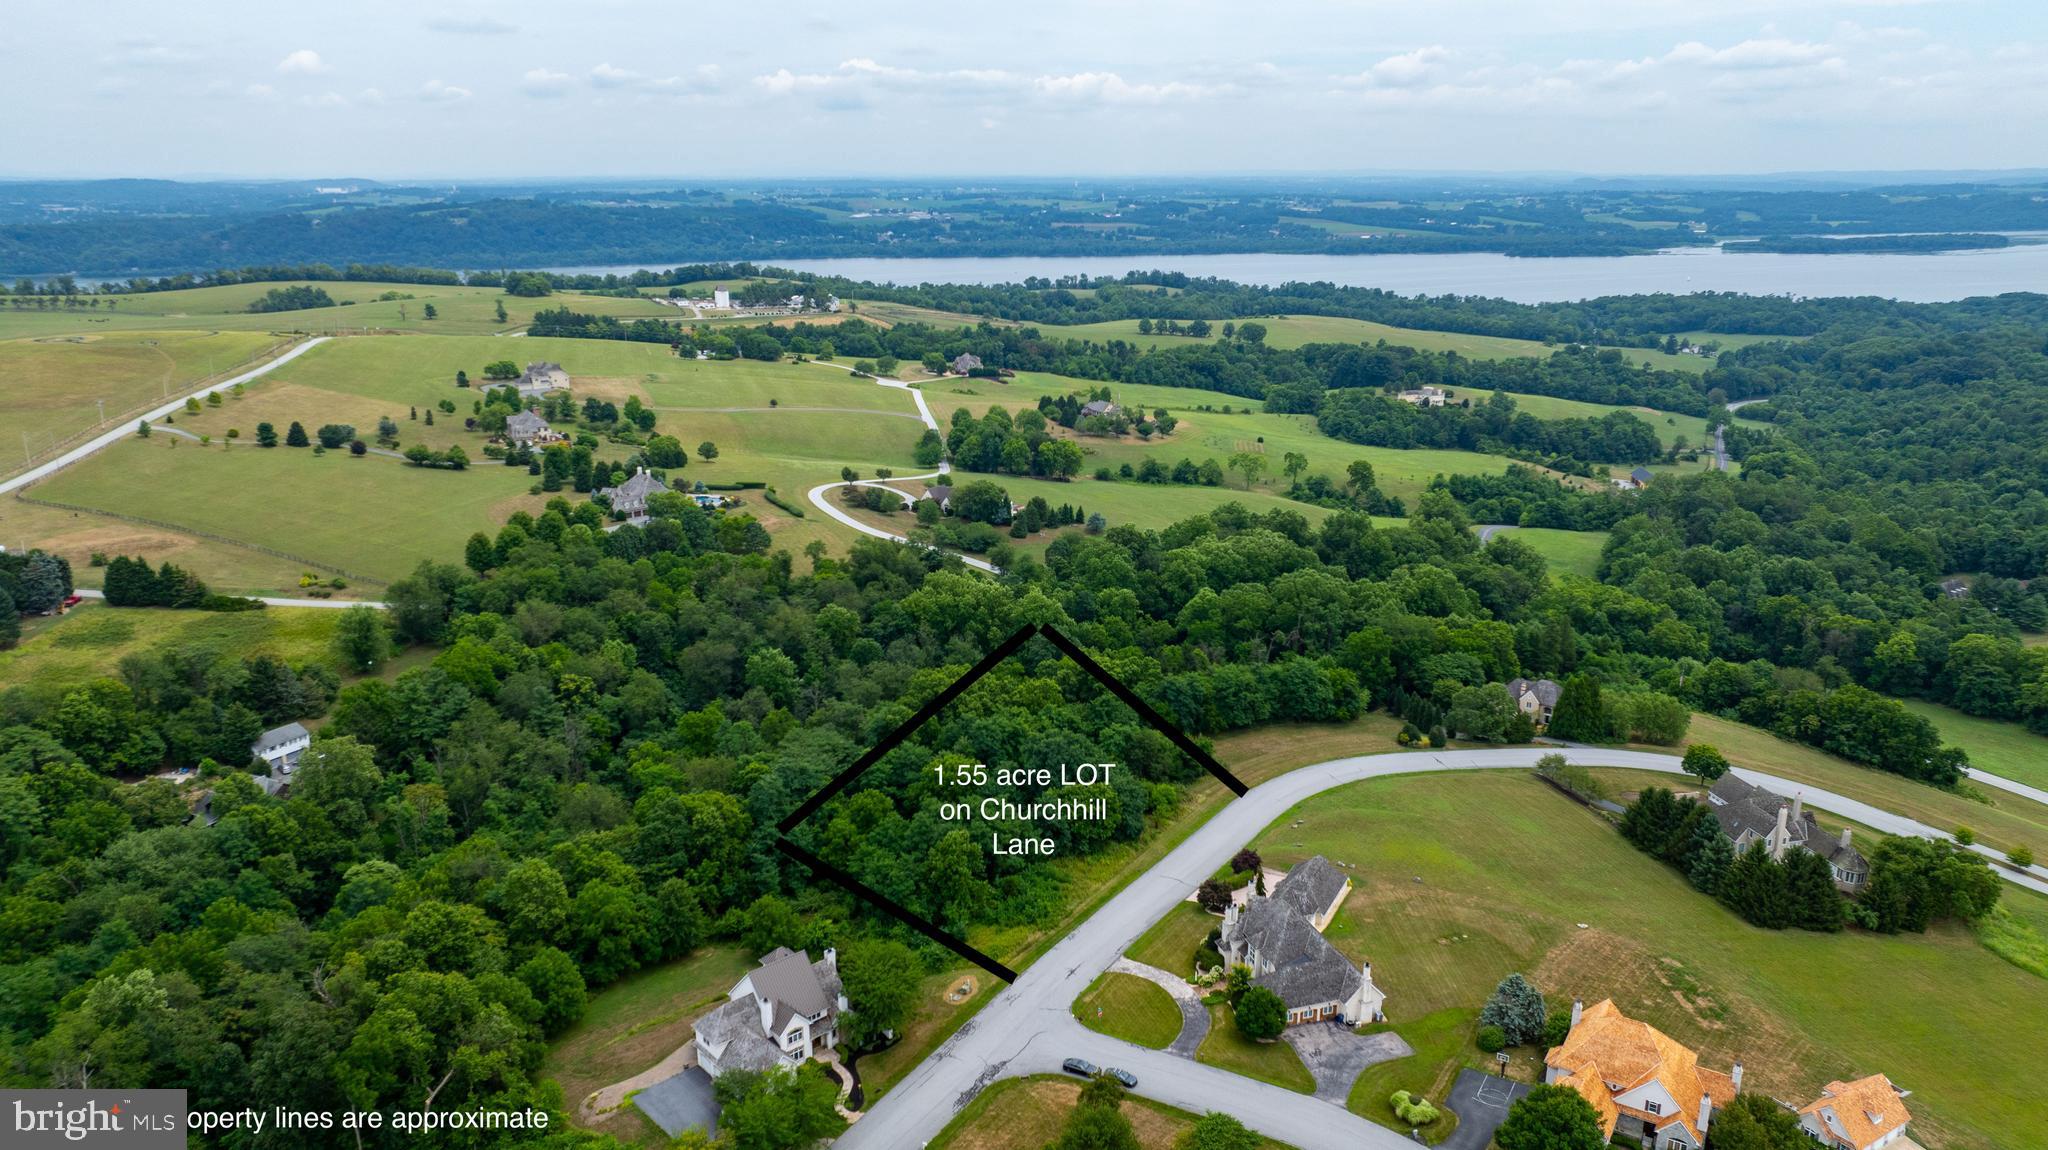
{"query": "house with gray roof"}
[(941, 494), (1101, 407), (541, 378), (1750, 814), (527, 429), (280, 747), (965, 362), (630, 498), (784, 1011), (1535, 698), (1279, 936)]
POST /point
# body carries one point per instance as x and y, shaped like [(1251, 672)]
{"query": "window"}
[(1652, 1107)]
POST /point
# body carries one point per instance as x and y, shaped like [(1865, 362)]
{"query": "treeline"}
[(1494, 425), (1828, 245)]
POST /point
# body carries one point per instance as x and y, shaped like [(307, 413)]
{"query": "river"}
[(1927, 278)]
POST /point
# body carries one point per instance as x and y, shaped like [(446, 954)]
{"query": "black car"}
[(1080, 1066), (1129, 1079)]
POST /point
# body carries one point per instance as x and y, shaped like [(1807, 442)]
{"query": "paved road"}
[(330, 604), (1720, 438), (1028, 1029), (817, 495), (1488, 530), (2009, 785), (102, 442)]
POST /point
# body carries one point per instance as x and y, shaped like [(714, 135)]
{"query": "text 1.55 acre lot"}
[(1011, 815)]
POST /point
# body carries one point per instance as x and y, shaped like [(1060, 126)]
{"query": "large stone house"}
[(784, 1011), (630, 498), (1279, 936), (541, 378), (1862, 1115), (1535, 698), (1101, 407), (965, 362), (1749, 814), (529, 430), (1641, 1082)]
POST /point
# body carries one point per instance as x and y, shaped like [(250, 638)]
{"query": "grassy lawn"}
[(1294, 330), (1567, 552), (460, 310), (77, 534), (1443, 1045), (2001, 820), (369, 516), (1274, 1062), (1531, 882), (635, 1023), (1667, 424), (1170, 943), (1131, 1008), (55, 385), (2006, 749), (932, 1021), (91, 641), (1026, 1113)]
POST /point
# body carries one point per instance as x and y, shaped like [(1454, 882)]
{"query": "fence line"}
[(183, 530)]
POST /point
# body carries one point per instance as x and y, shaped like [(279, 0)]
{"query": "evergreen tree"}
[(266, 435), (1651, 819), (44, 583), (1580, 715), (1517, 1008), (295, 435), (1810, 884), (1756, 889), (1678, 841), (1713, 852), (10, 620), (1550, 1117)]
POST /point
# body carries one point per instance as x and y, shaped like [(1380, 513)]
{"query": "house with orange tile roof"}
[(1641, 1082), (1862, 1115)]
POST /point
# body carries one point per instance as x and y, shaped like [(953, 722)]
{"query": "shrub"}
[(2021, 856), (1260, 1014), (1492, 1039), (1414, 1111)]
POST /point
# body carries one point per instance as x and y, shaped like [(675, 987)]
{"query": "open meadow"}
[(2006, 749), (55, 390), (1463, 878)]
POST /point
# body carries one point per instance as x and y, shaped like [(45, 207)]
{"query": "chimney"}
[(1780, 836), (1735, 1076), (1706, 1110), (1845, 838), (1798, 809), (1578, 1010)]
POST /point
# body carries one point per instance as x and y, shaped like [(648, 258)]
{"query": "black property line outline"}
[(924, 715)]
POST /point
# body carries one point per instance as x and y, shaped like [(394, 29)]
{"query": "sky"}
[(517, 89)]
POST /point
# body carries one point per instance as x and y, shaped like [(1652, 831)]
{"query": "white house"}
[(280, 747), (527, 429), (1279, 936), (721, 298), (1642, 1083), (1425, 396), (783, 1012), (1866, 1114)]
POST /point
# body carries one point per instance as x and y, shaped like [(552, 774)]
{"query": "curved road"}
[(924, 412), (104, 441), (1028, 1028), (331, 604)]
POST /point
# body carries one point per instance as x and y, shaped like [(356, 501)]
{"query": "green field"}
[(368, 516), (76, 535), (1290, 331), (1567, 552), (1274, 1062), (1463, 878), (785, 424), (91, 641), (2006, 749), (54, 386), (462, 310), (1131, 1008)]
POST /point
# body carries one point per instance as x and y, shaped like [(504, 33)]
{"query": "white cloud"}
[(1110, 88), (845, 85), (260, 92), (371, 95), (325, 100), (703, 78), (544, 84), (1773, 53), (305, 61), (1407, 70), (436, 91)]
